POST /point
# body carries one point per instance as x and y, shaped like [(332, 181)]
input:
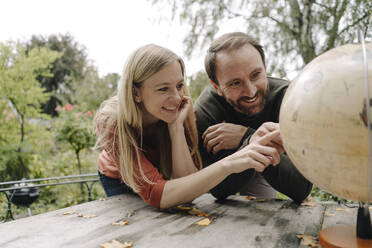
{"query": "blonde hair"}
[(119, 119)]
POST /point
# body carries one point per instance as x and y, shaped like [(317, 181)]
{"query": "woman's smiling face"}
[(161, 94)]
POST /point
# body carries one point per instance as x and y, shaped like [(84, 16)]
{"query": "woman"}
[(149, 137)]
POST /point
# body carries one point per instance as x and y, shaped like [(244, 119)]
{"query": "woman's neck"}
[(150, 133), (147, 118)]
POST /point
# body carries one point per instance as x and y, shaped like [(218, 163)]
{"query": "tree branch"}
[(337, 15), (232, 13), (353, 24), (284, 26), (13, 107), (323, 5)]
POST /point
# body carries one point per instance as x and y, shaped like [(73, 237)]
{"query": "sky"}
[(109, 29)]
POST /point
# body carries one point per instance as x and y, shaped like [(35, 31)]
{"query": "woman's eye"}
[(180, 86), (163, 89)]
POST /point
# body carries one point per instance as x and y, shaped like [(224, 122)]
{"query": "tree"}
[(75, 128), (70, 66), (92, 90), (197, 83), (20, 100), (288, 29)]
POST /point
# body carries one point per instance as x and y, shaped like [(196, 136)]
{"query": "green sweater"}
[(212, 109)]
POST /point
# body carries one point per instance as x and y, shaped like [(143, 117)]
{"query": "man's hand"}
[(223, 136), (265, 128)]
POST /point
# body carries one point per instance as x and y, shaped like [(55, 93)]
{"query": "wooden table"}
[(237, 222)]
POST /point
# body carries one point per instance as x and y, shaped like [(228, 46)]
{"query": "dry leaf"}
[(330, 214), (102, 199), (68, 213), (197, 212), (127, 244), (340, 209), (202, 214), (116, 244), (309, 241), (183, 207), (121, 223), (87, 215), (193, 211), (251, 197), (203, 222), (308, 204)]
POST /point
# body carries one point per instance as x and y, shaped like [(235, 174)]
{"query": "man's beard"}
[(251, 110)]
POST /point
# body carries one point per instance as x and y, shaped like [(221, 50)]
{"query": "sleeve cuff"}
[(246, 137)]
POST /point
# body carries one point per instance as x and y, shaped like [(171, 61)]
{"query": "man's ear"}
[(216, 87)]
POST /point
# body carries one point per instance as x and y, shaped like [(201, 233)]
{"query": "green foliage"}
[(197, 84), (74, 127), (93, 90), (72, 64), (19, 72), (321, 195), (292, 32), (28, 147), (20, 100)]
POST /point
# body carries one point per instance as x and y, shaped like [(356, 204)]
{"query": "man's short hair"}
[(228, 42)]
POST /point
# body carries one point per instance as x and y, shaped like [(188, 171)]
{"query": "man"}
[(241, 105)]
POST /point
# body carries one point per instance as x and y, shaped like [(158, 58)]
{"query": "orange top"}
[(150, 193), (109, 165)]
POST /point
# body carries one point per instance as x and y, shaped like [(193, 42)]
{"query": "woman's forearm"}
[(182, 163), (256, 156), (187, 188)]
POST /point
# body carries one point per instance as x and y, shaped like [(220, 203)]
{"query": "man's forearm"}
[(232, 184), (286, 179)]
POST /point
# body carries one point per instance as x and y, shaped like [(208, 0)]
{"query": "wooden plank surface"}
[(236, 222)]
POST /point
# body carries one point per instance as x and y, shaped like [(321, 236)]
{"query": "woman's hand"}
[(182, 163), (266, 128), (183, 110), (257, 155)]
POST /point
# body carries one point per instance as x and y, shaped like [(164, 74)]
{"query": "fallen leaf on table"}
[(308, 204), (340, 209), (309, 241), (87, 215), (127, 244), (121, 223), (68, 213), (198, 212), (131, 213), (203, 222), (183, 207), (330, 214), (251, 197), (102, 199), (116, 244)]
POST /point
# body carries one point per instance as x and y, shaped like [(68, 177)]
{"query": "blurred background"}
[(60, 59)]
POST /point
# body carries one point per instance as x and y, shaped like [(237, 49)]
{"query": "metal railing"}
[(10, 191)]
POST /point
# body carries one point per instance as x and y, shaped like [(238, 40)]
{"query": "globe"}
[(323, 121)]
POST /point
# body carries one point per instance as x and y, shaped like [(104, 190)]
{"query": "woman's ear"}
[(136, 95)]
